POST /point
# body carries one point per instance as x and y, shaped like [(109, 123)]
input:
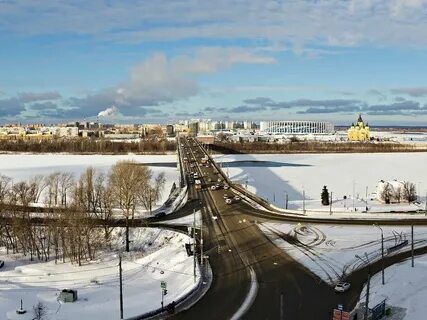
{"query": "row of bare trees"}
[(72, 231), (89, 145), (296, 146), (402, 192)]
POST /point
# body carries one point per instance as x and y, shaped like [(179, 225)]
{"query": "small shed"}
[(68, 295)]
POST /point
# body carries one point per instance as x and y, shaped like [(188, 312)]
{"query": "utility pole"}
[(367, 293), (412, 245), (330, 205), (286, 201), (282, 311), (150, 202), (354, 206), (194, 245), (382, 252), (426, 202), (303, 201), (368, 284), (121, 286), (201, 239)]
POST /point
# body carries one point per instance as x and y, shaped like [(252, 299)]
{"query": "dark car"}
[(1, 264), (160, 214)]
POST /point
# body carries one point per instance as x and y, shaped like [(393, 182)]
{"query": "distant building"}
[(359, 131), (170, 130), (193, 128), (296, 127)]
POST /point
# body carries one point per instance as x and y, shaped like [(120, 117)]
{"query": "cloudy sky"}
[(138, 61)]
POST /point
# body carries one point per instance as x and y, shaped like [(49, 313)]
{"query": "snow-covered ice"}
[(272, 176)]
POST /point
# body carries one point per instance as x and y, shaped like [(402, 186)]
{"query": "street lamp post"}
[(286, 200), (367, 285), (354, 187), (382, 252), (303, 201)]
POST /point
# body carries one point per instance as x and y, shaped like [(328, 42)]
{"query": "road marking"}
[(249, 298)]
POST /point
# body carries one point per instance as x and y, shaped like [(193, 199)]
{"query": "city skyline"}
[(136, 61)]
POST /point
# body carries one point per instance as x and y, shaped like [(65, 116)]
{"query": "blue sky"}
[(157, 61)]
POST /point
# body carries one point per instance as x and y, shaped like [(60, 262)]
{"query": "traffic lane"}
[(277, 274), (230, 279), (227, 292)]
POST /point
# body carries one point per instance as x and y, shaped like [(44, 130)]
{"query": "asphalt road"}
[(285, 288)]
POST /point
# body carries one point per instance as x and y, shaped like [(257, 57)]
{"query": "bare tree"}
[(52, 184), (66, 182), (126, 180), (5, 185), (104, 203), (387, 192), (398, 193), (409, 192), (151, 191), (23, 193), (38, 183), (39, 311)]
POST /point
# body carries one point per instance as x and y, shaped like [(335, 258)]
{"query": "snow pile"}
[(161, 257), (330, 251)]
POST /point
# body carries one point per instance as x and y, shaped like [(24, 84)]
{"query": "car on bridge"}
[(216, 186), (342, 287)]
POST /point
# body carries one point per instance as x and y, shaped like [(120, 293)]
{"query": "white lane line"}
[(249, 298)]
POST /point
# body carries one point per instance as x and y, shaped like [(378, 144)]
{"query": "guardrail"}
[(183, 177)]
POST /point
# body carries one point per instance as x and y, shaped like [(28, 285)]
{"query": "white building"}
[(68, 132), (296, 127)]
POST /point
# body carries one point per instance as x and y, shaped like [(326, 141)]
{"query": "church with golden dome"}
[(359, 131)]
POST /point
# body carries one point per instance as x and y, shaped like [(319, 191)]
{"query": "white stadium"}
[(296, 127)]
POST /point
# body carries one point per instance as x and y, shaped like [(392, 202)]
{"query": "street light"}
[(382, 251), (354, 187), (368, 283)]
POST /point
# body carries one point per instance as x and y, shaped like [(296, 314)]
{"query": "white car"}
[(237, 198), (342, 287), (213, 187), (226, 187), (228, 201)]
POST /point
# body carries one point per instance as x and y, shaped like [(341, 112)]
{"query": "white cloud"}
[(158, 80), (332, 22), (110, 112)]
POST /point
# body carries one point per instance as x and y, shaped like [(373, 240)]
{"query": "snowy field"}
[(405, 287), (274, 176), (97, 282), (23, 166), (330, 251)]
